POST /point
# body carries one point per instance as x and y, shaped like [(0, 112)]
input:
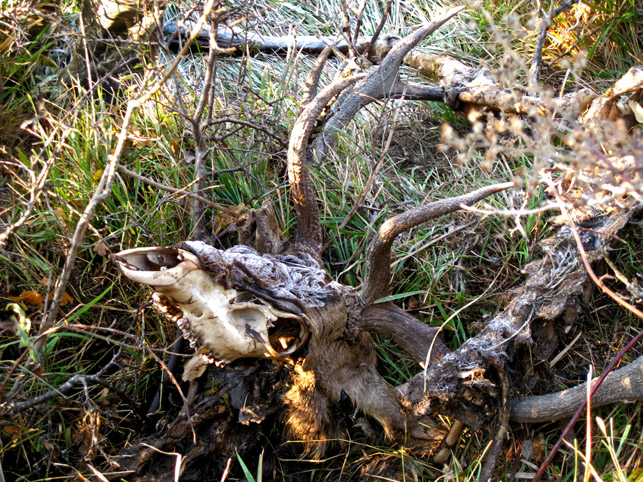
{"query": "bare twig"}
[(249, 125), (103, 191), (374, 173), (69, 385), (545, 23), (198, 127), (174, 190), (378, 30), (104, 188)]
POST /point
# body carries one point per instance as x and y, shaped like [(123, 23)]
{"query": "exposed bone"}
[(221, 323)]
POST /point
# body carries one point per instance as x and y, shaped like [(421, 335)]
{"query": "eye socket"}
[(285, 335)]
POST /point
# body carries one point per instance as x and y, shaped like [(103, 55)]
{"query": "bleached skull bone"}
[(225, 323)]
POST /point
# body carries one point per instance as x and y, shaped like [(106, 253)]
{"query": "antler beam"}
[(309, 237), (378, 261)]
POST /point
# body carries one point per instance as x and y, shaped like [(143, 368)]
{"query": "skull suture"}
[(221, 323)]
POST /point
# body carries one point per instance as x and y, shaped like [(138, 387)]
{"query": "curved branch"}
[(378, 259), (376, 86), (622, 385), (309, 238), (420, 341)]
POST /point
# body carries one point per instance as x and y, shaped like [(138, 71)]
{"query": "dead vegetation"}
[(318, 389)]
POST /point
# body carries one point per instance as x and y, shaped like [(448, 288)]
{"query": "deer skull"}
[(222, 323)]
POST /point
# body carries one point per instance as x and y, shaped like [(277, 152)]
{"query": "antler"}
[(378, 260), (309, 237), (378, 85), (417, 339)]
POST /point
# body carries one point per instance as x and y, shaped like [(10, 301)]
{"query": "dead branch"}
[(624, 385), (466, 84), (545, 23), (84, 380), (103, 191), (235, 41)]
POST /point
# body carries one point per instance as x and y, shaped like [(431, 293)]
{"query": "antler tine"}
[(312, 80), (378, 260), (378, 85), (309, 237)]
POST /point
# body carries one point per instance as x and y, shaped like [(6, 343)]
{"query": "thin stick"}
[(378, 30), (198, 126), (104, 188), (374, 173), (174, 190), (545, 23), (80, 379)]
